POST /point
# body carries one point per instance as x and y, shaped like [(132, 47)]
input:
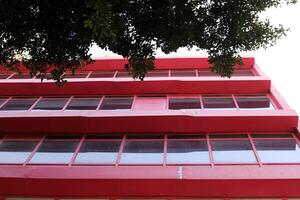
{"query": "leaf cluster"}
[(52, 37)]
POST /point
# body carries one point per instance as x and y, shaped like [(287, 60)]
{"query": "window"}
[(98, 152), (21, 76), (150, 103), (218, 102), (76, 75), (54, 152), (207, 73), (142, 152), (4, 76), (102, 74), (232, 151), (16, 151), (282, 150), (184, 103), (254, 102), (18, 104), (242, 72), (187, 152), (2, 101), (51, 103), (115, 103), (83, 104), (158, 73), (122, 74), (183, 73)]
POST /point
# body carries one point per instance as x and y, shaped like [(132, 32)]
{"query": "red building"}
[(182, 133)]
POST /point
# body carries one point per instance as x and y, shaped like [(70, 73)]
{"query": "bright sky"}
[(279, 62)]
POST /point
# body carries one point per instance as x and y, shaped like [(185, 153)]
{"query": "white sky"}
[(279, 62)]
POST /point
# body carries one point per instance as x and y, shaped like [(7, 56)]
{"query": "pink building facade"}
[(182, 133)]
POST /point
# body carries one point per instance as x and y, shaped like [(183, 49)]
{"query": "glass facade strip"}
[(254, 102), (277, 151), (232, 151), (102, 74), (157, 73), (16, 152), (21, 76), (116, 103), (18, 104), (50, 104), (4, 76), (184, 103), (183, 73), (76, 75), (122, 74), (137, 152), (187, 152), (98, 152), (54, 152), (218, 102), (149, 149), (83, 104)]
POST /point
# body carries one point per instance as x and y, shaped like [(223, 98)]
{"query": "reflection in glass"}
[(115, 103), (183, 73), (254, 102), (102, 152), (218, 103), (184, 103), (51, 104), (232, 151), (83, 104), (188, 152), (18, 104), (102, 74), (54, 152), (142, 152), (277, 151), (16, 151)]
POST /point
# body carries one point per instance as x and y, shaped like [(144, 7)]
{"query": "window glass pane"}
[(103, 152), (113, 103), (17, 198), (207, 73), (2, 101), (218, 103), (183, 73), (4, 76), (21, 76), (18, 104), (102, 74), (254, 102), (145, 137), (158, 73), (228, 136), (244, 72), (232, 151), (142, 152), (83, 104), (76, 75), (54, 152), (277, 151), (16, 151), (186, 136), (51, 104), (184, 103), (283, 135), (121, 74), (104, 137), (187, 151)]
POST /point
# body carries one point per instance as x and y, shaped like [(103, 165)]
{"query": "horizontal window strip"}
[(125, 74), (134, 103), (151, 149)]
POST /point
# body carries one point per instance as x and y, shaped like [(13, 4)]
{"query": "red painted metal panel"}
[(238, 85), (164, 121), (206, 181), (160, 63)]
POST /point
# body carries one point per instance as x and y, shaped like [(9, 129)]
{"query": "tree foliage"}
[(55, 36)]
